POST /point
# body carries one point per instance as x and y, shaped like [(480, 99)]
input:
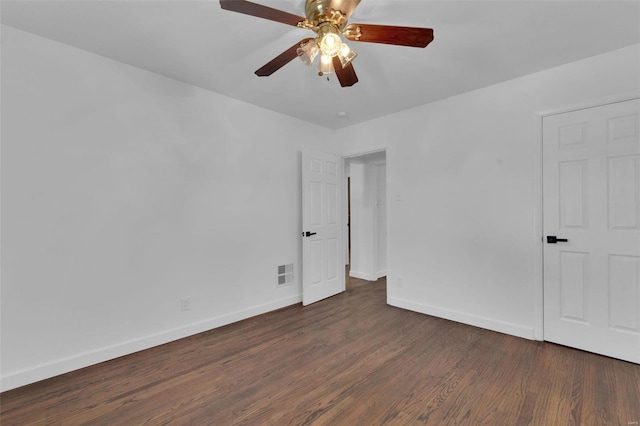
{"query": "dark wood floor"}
[(348, 360)]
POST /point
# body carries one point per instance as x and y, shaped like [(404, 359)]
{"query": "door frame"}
[(538, 175)]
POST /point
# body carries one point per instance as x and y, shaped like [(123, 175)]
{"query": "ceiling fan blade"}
[(389, 34), (345, 6), (347, 75), (281, 60), (254, 9)]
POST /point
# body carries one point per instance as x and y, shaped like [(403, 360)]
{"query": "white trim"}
[(361, 153), (607, 100), (75, 362), (376, 216), (346, 226), (538, 247), (465, 318), (342, 225)]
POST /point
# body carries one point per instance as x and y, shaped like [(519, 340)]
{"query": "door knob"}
[(308, 234), (552, 239)]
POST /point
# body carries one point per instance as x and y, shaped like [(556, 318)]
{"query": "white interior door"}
[(322, 241), (591, 184)]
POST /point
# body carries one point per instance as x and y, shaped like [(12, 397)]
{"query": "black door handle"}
[(552, 239), (308, 234)]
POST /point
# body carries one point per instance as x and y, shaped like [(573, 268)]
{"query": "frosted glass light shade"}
[(346, 55), (308, 52), (326, 65), (330, 44)]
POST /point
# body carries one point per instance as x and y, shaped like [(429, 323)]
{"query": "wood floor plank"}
[(347, 360)]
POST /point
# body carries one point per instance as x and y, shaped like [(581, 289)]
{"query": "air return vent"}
[(285, 274)]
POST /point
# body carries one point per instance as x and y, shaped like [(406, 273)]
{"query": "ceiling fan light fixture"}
[(346, 55), (325, 66), (328, 39), (308, 52), (330, 44)]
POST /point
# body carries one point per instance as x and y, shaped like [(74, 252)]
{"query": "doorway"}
[(366, 216)]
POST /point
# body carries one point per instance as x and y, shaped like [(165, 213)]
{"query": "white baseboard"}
[(464, 318), (362, 275), (75, 362), (382, 273)]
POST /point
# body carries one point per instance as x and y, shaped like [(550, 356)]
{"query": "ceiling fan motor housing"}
[(316, 10)]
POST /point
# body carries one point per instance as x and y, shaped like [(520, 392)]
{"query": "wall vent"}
[(285, 274)]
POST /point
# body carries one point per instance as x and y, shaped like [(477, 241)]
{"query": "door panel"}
[(623, 129), (322, 254), (573, 194), (591, 186), (624, 199), (574, 267), (624, 273)]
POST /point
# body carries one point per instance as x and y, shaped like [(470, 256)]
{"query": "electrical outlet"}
[(185, 304)]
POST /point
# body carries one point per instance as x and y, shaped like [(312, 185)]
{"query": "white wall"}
[(124, 191), (368, 225), (464, 179), (361, 224)]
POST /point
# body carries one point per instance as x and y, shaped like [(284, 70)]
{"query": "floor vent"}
[(285, 274)]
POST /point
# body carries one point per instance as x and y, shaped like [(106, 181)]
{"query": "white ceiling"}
[(477, 43)]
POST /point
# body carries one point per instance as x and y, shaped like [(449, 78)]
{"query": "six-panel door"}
[(323, 272), (591, 187)]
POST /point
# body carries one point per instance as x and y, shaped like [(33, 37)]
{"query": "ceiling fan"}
[(328, 19)]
